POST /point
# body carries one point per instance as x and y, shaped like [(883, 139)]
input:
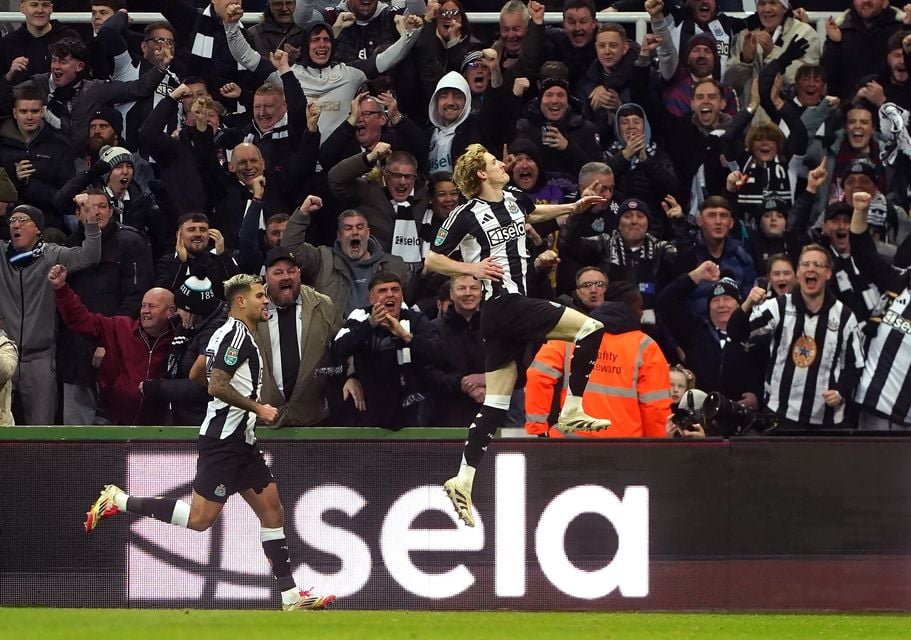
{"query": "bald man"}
[(136, 350), (244, 197)]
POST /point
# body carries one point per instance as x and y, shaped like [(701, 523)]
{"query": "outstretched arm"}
[(545, 212)]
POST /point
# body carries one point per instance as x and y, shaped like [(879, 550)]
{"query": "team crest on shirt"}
[(441, 237), (804, 351), (512, 207), (231, 356)]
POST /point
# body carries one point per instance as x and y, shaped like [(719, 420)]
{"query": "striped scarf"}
[(618, 249), (208, 24)]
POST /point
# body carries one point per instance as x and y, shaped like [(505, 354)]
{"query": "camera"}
[(724, 417), (689, 411)]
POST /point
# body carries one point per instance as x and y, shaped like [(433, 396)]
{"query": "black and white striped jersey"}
[(481, 229), (810, 353), (885, 384), (233, 350)]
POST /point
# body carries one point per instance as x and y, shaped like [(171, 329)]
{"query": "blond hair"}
[(465, 174), (688, 376), (239, 285)]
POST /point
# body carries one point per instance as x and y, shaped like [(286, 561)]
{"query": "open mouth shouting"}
[(356, 245), (858, 137), (703, 11), (400, 192), (766, 150), (525, 176), (198, 243), (477, 80)]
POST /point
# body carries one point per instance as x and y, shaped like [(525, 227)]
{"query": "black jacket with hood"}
[(650, 180)]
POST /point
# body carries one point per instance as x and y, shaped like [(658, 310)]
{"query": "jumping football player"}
[(490, 231)]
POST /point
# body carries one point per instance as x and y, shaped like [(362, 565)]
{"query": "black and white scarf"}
[(406, 243), (618, 147), (618, 248), (207, 25)]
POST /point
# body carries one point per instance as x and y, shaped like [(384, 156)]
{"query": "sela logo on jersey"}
[(896, 321), (507, 233)]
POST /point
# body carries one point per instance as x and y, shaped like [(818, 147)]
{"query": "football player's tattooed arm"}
[(198, 371), (220, 387)]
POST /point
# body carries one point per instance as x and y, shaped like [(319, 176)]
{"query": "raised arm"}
[(86, 255), (870, 263), (240, 49), (668, 56), (73, 313), (392, 55), (294, 238)]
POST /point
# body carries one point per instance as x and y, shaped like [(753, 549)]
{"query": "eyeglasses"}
[(400, 176), (20, 220), (474, 65), (367, 114), (168, 41), (806, 264), (597, 284), (449, 13)]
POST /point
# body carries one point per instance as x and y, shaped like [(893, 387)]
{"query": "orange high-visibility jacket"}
[(629, 385)]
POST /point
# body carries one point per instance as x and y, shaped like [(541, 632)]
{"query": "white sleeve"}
[(668, 56), (124, 71), (397, 51), (245, 55)]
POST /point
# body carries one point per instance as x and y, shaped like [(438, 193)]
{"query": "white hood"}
[(452, 80)]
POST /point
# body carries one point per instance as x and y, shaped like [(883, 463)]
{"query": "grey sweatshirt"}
[(27, 298)]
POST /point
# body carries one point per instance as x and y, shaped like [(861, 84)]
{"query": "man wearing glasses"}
[(27, 301), (277, 30), (591, 283), (395, 209), (157, 38), (816, 351)]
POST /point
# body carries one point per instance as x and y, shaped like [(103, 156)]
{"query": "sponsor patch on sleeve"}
[(441, 237), (231, 356)]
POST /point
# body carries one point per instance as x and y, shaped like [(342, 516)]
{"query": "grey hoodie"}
[(27, 298), (360, 271), (441, 141)]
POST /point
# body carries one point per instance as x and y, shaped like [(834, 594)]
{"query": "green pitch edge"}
[(190, 433)]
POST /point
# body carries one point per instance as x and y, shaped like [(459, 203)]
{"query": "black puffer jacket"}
[(50, 155)]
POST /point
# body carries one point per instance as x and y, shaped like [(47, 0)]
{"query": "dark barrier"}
[(745, 524)]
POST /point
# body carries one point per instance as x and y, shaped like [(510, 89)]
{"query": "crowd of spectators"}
[(752, 239)]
